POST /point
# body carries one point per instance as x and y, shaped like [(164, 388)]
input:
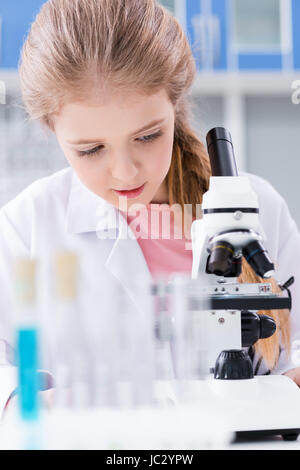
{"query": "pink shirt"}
[(165, 248)]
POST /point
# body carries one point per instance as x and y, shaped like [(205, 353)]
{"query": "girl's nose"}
[(124, 169)]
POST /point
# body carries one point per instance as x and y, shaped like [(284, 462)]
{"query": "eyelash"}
[(96, 150)]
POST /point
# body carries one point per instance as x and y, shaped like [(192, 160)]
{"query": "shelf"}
[(215, 83), (247, 83)]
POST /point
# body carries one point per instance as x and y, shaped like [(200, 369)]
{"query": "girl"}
[(111, 80)]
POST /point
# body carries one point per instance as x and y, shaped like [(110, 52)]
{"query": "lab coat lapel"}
[(88, 212), (127, 263)]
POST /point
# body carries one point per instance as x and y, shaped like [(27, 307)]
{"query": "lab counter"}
[(205, 423)]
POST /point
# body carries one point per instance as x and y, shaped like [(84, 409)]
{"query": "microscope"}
[(229, 230)]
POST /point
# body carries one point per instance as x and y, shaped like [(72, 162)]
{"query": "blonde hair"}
[(76, 47)]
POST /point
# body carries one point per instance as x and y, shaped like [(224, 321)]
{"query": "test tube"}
[(106, 351), (123, 352), (163, 329), (179, 310), (188, 306), (144, 371), (71, 369), (27, 338)]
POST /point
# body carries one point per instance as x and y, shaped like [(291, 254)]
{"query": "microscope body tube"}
[(226, 208), (230, 227), (221, 152)]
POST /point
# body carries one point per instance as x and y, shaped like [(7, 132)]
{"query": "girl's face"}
[(118, 143)]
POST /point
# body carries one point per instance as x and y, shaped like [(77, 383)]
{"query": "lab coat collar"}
[(127, 263), (87, 212)]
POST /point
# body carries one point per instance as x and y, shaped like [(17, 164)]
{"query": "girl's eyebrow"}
[(143, 129)]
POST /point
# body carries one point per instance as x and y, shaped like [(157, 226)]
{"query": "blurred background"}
[(248, 58)]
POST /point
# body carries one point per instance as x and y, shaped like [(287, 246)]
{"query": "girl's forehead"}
[(119, 112), (121, 98)]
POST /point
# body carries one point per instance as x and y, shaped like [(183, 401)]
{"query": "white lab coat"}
[(59, 212)]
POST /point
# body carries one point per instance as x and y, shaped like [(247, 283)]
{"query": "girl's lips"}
[(131, 193)]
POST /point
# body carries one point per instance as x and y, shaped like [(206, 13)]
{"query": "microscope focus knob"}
[(233, 364), (255, 327), (267, 326)]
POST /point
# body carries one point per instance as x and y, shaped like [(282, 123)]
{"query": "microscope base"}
[(264, 405), (286, 434)]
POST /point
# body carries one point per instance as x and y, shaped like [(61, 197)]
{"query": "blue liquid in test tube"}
[(27, 345)]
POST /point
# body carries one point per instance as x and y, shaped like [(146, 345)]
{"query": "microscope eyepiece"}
[(221, 152)]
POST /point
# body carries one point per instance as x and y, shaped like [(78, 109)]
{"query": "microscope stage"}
[(242, 302)]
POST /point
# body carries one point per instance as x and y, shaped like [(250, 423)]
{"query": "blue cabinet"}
[(219, 11), (169, 4), (224, 34), (206, 31), (296, 33), (261, 34), (16, 17), (245, 35)]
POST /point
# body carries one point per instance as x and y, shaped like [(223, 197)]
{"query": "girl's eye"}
[(146, 140), (150, 138), (90, 152)]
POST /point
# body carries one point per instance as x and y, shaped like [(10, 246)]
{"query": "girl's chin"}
[(124, 203)]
